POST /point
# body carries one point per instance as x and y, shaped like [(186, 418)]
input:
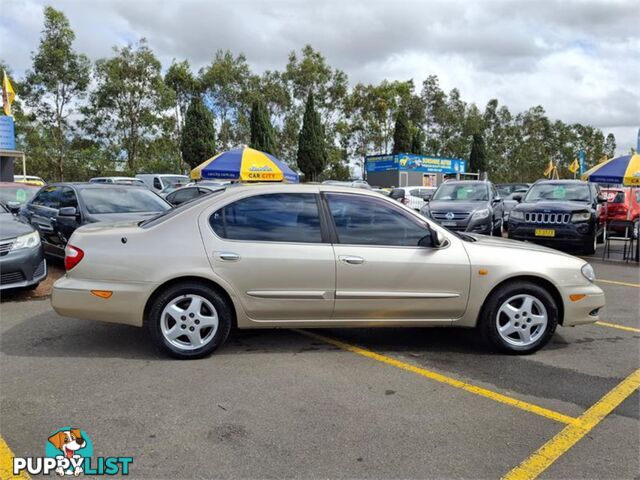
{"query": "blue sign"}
[(582, 155), (7, 133), (415, 163)]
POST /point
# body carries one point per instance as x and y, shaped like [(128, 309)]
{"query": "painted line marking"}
[(615, 282), (483, 392), (544, 457), (619, 327), (6, 462)]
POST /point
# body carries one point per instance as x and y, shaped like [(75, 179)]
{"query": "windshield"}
[(466, 192), (20, 194), (122, 200), (567, 192)]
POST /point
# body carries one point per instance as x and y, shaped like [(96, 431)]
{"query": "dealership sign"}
[(414, 163), (7, 133)]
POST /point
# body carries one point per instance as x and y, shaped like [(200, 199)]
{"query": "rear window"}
[(121, 200), (614, 196)]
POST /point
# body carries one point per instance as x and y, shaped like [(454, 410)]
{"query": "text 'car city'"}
[(266, 256)]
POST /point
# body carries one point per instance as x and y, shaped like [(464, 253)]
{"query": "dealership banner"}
[(415, 163)]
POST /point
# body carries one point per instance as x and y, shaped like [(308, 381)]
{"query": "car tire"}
[(497, 231), (591, 245), (508, 334), (205, 325)]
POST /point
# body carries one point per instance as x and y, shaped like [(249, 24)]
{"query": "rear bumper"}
[(583, 311), (73, 298), (22, 268)]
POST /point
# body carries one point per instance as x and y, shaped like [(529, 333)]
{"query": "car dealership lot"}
[(410, 403)]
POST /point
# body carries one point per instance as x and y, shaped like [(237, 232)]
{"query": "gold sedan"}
[(266, 256)]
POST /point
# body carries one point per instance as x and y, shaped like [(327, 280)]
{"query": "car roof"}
[(84, 185), (558, 181), (17, 184)]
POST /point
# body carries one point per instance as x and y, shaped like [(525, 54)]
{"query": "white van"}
[(163, 182)]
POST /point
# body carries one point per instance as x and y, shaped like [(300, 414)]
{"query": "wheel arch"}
[(541, 282), (191, 278)]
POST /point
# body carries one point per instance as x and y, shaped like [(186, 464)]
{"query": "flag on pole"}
[(8, 94), (549, 169), (573, 168)]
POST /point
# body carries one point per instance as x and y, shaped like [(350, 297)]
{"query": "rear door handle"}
[(229, 256), (351, 259)]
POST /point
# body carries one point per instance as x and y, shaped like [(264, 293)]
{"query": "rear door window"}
[(280, 217)]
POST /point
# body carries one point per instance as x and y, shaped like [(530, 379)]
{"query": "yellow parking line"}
[(615, 282), (572, 434), (6, 462), (619, 327), (483, 392)]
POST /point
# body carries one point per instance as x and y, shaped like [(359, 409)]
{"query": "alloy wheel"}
[(521, 320), (189, 322)]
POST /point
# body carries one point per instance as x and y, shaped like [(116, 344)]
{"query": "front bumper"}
[(575, 234), (583, 311), (22, 268), (73, 298)]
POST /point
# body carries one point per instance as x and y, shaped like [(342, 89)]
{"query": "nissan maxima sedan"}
[(267, 256)]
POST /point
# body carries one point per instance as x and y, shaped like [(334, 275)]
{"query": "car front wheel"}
[(519, 318), (189, 320)]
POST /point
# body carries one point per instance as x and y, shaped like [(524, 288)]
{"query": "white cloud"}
[(579, 59)]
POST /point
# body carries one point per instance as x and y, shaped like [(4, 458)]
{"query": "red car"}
[(623, 204)]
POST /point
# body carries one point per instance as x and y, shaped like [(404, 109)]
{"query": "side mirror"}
[(433, 239), (497, 199), (601, 199), (67, 212), (14, 207), (517, 198)]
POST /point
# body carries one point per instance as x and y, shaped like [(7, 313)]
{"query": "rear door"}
[(382, 273), (271, 249)]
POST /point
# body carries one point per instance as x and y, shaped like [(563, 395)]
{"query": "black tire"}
[(488, 325), (497, 230), (591, 244), (219, 302)]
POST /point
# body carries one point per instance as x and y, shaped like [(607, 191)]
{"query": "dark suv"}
[(559, 213), (467, 206)]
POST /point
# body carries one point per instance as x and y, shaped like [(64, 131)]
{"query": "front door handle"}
[(351, 259), (229, 256)]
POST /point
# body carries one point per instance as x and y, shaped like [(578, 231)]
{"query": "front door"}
[(270, 248), (382, 273)]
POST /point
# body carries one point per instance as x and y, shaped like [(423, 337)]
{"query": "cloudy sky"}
[(578, 59)]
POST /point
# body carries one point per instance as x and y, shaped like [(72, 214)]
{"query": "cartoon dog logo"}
[(68, 442)]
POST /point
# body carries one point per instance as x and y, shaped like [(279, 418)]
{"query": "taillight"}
[(72, 257)]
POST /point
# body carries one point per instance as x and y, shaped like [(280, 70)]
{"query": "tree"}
[(262, 135), (610, 146), (126, 111), (199, 135), (416, 142), (477, 158), (58, 80), (312, 155), (402, 137)]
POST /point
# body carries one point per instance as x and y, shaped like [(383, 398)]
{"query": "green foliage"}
[(199, 135), (417, 142), (312, 154), (262, 135), (402, 135), (477, 158), (610, 146)]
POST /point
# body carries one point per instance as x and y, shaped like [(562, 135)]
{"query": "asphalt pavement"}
[(365, 403)]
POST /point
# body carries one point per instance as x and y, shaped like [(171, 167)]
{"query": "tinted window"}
[(282, 217), (48, 197), (68, 198), (183, 195), (157, 184), (368, 221), (121, 200)]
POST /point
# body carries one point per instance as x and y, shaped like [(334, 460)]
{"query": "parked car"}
[(188, 193), (22, 263), (14, 194), (623, 204), (417, 196), (29, 179), (506, 189), (559, 213), (399, 195), (509, 202), (118, 180), (467, 206), (163, 182), (316, 256), (58, 209)]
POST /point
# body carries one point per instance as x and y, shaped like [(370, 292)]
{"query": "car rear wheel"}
[(519, 318), (189, 320), (591, 245)]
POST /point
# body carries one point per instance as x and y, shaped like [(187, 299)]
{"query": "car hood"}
[(11, 227), (552, 206), (484, 240), (456, 206)]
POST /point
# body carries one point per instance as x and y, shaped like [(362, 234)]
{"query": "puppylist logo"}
[(69, 451)]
